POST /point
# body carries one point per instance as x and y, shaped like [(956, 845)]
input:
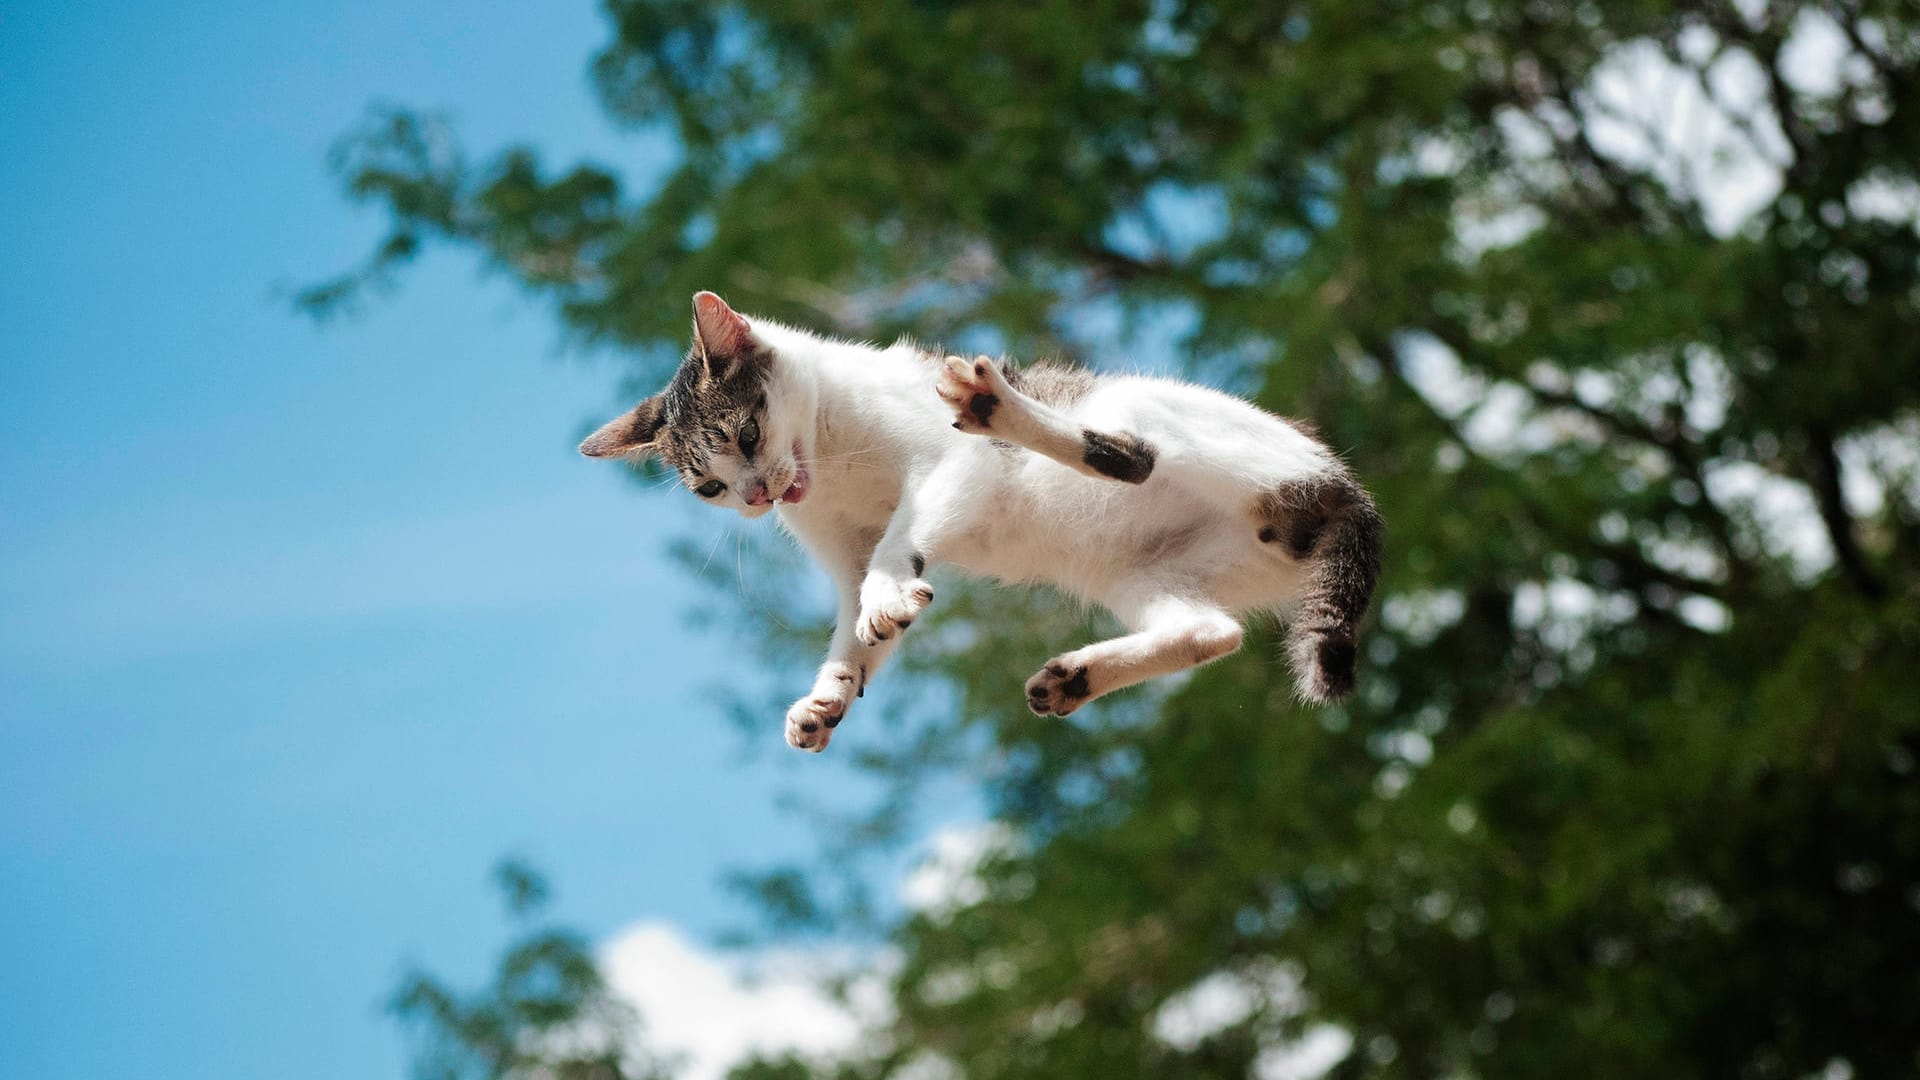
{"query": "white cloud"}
[(715, 1009), (1226, 998), (1783, 512), (1880, 462), (1221, 1000), (1651, 113), (944, 879), (1320, 1049), (1894, 199), (1715, 136), (1817, 59)]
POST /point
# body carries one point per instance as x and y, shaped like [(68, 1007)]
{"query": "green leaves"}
[(1628, 788), (547, 1013)]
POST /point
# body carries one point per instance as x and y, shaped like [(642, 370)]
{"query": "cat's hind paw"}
[(975, 389), (889, 609), (1059, 688)]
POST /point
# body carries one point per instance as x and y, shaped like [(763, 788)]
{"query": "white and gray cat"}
[(1178, 508)]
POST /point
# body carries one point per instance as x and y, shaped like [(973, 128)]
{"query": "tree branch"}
[(1635, 571), (1831, 500)]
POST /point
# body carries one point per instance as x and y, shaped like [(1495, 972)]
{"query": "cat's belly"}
[(1172, 542), (1132, 539), (996, 549)]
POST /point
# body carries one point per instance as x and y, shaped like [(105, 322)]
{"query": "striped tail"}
[(1344, 566)]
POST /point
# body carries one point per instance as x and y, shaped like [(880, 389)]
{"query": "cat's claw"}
[(975, 389), (1059, 688), (883, 616)]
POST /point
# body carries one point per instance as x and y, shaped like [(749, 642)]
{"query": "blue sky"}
[(302, 628)]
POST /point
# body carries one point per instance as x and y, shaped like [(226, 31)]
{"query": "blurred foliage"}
[(547, 1015), (1630, 787)]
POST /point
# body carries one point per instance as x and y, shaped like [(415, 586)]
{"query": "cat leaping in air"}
[(1180, 509)]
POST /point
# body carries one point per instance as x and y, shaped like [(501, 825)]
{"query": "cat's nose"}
[(757, 494)]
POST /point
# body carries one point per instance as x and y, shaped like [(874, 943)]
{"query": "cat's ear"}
[(635, 432), (721, 334)]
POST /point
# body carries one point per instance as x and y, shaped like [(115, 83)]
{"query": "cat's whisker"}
[(849, 457), (739, 563), (718, 537), (852, 452)]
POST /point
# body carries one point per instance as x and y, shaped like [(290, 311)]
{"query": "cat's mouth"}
[(796, 490)]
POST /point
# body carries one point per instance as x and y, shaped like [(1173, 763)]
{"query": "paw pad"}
[(811, 720), (973, 388), (891, 611), (1058, 689)]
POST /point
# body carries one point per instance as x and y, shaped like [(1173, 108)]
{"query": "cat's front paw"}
[(1059, 688), (889, 608), (811, 720), (976, 390)]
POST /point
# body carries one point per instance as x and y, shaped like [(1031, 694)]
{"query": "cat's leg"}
[(881, 592), (1170, 634), (1246, 462), (842, 678), (1294, 495), (894, 593), (850, 663), (985, 403), (891, 597)]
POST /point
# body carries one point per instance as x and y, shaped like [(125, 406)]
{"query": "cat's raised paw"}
[(886, 610), (1058, 689), (976, 389)]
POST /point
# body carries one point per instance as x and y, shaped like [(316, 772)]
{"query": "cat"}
[(1178, 508)]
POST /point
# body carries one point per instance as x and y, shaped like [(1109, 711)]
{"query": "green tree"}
[(1629, 789), (547, 1015)]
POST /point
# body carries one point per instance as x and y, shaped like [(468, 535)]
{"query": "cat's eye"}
[(749, 435), (711, 488)]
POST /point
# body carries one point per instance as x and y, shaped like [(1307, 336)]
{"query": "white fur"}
[(890, 476)]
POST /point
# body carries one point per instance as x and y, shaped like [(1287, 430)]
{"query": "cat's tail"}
[(1342, 569)]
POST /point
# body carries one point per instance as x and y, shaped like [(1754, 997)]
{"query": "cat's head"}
[(736, 422)]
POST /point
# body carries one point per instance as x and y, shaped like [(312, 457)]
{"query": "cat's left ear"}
[(636, 432), (722, 336)]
